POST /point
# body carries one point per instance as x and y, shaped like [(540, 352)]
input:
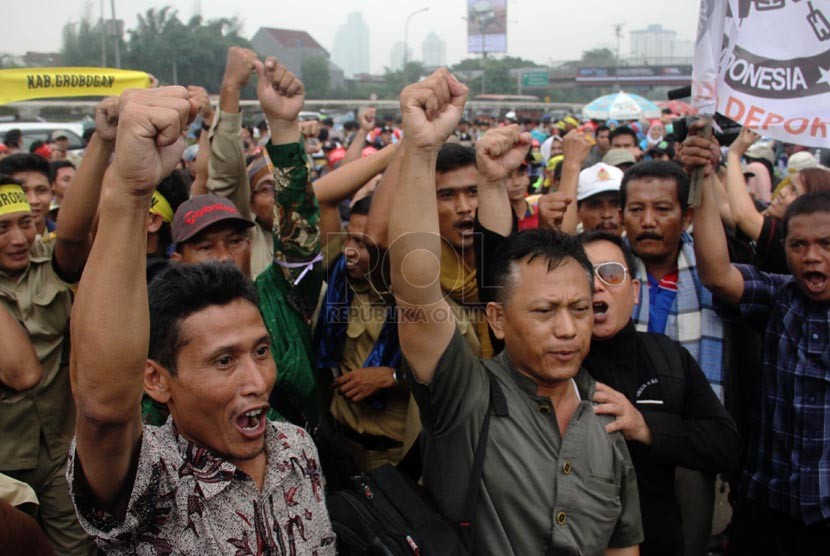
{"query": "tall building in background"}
[(653, 45), (351, 46), (396, 56), (434, 51)]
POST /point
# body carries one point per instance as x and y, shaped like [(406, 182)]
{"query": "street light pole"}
[(406, 44)]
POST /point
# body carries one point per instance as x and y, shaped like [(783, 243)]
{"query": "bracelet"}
[(205, 125)]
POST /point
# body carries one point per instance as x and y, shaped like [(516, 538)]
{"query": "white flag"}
[(766, 65)]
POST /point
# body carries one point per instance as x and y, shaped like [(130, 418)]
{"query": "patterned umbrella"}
[(620, 106)]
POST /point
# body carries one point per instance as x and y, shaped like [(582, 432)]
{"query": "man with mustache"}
[(598, 199), (672, 300)]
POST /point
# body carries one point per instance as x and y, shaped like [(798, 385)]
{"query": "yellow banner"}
[(31, 83)]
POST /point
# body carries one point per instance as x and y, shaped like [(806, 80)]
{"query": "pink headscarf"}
[(760, 185)]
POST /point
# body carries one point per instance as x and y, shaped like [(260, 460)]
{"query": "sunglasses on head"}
[(611, 273)]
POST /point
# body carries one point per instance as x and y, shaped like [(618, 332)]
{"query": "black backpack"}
[(386, 513)]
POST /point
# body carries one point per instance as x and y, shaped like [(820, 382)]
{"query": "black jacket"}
[(689, 425)]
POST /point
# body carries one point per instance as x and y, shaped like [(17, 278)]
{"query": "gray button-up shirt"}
[(540, 493)]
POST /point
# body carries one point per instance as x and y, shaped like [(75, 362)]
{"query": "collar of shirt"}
[(583, 382)]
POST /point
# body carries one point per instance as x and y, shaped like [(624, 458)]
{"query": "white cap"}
[(800, 161), (599, 178)]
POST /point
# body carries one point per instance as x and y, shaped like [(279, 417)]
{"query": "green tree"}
[(316, 77), (176, 53)]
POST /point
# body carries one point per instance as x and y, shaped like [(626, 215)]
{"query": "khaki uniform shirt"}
[(228, 177), (541, 493), (42, 303), (366, 318)]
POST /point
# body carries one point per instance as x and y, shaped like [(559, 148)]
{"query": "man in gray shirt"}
[(554, 480)]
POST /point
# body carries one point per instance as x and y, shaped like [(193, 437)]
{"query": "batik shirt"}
[(187, 500)]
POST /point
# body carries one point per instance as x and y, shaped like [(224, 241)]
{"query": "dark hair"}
[(453, 156), (328, 122), (176, 191), (661, 169), (57, 165), (809, 203), (623, 130), (25, 162), (5, 179), (551, 246), (13, 138), (36, 144), (351, 125), (598, 235), (815, 179), (181, 290), (602, 127), (361, 207)]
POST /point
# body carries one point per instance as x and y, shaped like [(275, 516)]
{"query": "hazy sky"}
[(540, 30)]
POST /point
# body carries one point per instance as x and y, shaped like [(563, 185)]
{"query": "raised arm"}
[(342, 184), (110, 351), (576, 147), (377, 224), (498, 153), (431, 109), (227, 173), (713, 266), (199, 97), (366, 119), (80, 205), (746, 216), (19, 367)]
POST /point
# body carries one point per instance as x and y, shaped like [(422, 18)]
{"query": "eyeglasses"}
[(611, 273)]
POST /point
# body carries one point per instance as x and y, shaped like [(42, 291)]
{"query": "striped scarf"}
[(692, 320)]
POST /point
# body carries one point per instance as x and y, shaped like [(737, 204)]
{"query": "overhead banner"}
[(486, 26), (766, 65), (36, 83)]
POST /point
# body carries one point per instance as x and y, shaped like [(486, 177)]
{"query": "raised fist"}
[(200, 98), (280, 93), (500, 151), (552, 207), (431, 109), (149, 142), (106, 119), (366, 119), (239, 66), (576, 146)]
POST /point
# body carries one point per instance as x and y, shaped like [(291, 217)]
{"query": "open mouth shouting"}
[(465, 227), (600, 311), (815, 282), (251, 424)]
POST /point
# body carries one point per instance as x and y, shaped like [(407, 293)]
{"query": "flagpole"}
[(697, 174)]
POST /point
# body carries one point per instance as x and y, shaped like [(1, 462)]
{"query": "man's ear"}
[(495, 316), (154, 222), (635, 285), (157, 381), (176, 256)]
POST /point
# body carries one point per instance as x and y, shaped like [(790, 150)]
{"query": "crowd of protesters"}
[(261, 315)]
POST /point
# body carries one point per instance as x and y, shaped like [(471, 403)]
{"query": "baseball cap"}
[(599, 178), (615, 157), (761, 152), (59, 134), (801, 161), (201, 211)]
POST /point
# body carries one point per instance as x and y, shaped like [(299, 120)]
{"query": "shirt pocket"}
[(51, 306), (598, 510)]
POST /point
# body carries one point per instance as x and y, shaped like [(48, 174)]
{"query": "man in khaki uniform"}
[(358, 342), (35, 288)]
